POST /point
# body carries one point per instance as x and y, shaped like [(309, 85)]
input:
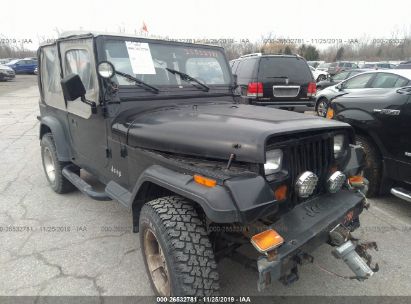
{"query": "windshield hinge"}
[(123, 151), (108, 153)]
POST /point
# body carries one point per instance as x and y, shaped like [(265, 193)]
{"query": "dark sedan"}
[(382, 123), (371, 82)]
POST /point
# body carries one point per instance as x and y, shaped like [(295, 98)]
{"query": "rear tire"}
[(53, 167), (372, 168), (177, 252)]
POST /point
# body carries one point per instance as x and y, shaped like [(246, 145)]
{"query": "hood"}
[(213, 130)]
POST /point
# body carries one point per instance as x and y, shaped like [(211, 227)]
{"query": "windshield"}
[(340, 76), (151, 63)]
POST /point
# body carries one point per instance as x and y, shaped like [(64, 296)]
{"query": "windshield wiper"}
[(138, 82), (189, 79)]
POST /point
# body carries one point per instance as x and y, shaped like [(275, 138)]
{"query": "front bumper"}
[(306, 227)]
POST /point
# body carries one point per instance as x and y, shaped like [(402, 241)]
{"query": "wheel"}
[(372, 168), (176, 249), (53, 167), (322, 107), (321, 78)]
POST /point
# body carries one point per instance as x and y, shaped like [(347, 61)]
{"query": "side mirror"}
[(339, 87), (106, 69), (73, 88)]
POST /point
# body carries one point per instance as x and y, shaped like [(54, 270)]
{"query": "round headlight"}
[(274, 159), (335, 182), (105, 69), (306, 184), (338, 145)]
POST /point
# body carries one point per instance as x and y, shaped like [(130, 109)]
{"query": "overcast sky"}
[(315, 19)]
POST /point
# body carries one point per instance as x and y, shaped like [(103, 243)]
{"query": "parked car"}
[(403, 66), (23, 65), (319, 75), (201, 174), (282, 81), (314, 63), (340, 66), (323, 66), (332, 80), (382, 123), (6, 73), (373, 82), (4, 61), (377, 65)]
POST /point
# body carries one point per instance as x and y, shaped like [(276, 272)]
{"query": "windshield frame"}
[(185, 89)]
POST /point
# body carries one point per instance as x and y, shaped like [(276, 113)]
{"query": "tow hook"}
[(353, 253)]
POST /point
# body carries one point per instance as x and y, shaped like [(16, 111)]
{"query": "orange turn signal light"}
[(267, 240), (281, 193), (330, 113), (356, 180), (205, 181)]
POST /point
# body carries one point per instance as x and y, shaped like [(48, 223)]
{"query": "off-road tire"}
[(182, 236), (372, 168), (59, 184)]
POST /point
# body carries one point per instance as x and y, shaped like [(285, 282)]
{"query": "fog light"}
[(306, 184), (335, 182)]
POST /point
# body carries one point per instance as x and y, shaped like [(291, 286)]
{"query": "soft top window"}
[(78, 62)]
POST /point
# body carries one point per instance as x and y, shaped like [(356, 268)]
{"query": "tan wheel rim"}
[(49, 165), (156, 262)]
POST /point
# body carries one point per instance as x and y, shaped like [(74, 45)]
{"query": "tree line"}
[(364, 50)]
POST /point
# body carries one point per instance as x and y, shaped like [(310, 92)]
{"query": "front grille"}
[(303, 152), (310, 154), (286, 91)]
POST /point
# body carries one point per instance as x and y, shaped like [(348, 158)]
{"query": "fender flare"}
[(216, 202), (59, 135), (242, 199)]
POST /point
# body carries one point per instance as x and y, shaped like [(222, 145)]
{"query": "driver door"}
[(87, 132)]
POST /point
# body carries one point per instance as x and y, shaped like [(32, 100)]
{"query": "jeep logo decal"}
[(115, 171)]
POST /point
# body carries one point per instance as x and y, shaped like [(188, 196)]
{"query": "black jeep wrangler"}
[(158, 124)]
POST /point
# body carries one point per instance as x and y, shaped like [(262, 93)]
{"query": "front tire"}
[(53, 167), (372, 168), (177, 252)]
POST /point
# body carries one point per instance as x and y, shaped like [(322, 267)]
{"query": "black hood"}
[(213, 130)]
